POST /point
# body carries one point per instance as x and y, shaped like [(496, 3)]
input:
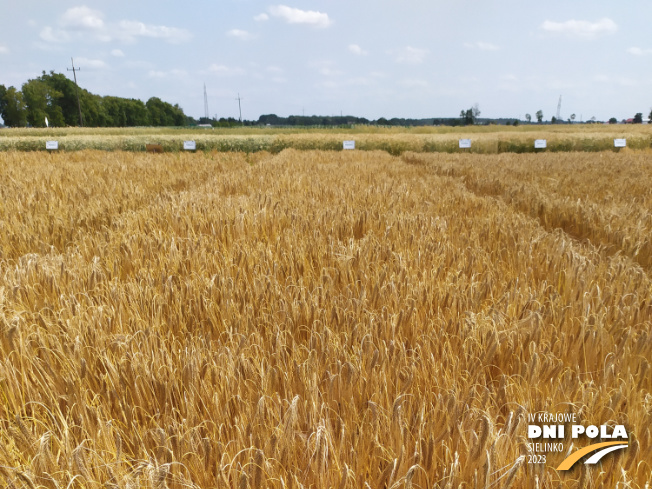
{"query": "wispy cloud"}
[(117, 53), (297, 16), (240, 34), (130, 30), (413, 83), (83, 23), (261, 17), (357, 50), (409, 55), (325, 68), (223, 70), (90, 63), (4, 49), (639, 51), (622, 81), (482, 46), (582, 29), (174, 73)]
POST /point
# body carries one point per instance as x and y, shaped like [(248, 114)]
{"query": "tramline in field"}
[(319, 318)]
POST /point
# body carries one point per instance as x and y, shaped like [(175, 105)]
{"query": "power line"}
[(74, 74)]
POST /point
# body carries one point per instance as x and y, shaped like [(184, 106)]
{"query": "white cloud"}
[(129, 30), (325, 68), (50, 35), (413, 83), (639, 51), (298, 16), (355, 49), (84, 24), (482, 46), (82, 18), (582, 29), (90, 63), (261, 17), (4, 49), (223, 70), (409, 55), (240, 34), (117, 53), (175, 73), (622, 81)]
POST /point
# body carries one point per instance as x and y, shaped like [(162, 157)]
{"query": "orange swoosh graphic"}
[(571, 459)]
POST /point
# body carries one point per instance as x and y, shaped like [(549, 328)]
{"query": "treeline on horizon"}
[(54, 96), (345, 120)]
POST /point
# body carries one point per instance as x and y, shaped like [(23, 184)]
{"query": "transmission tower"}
[(240, 108), (559, 109), (205, 103)]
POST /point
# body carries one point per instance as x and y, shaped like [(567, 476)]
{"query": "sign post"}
[(540, 144), (620, 143)]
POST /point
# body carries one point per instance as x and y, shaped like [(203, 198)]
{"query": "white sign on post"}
[(189, 146), (540, 144), (51, 145), (465, 143), (348, 145), (620, 143)]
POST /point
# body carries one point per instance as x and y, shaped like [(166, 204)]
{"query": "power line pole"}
[(74, 74), (240, 108)]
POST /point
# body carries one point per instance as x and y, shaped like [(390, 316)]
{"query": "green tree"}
[(42, 101), (638, 118), (468, 117), (613, 120), (539, 115), (3, 103), (528, 118), (12, 107), (68, 98)]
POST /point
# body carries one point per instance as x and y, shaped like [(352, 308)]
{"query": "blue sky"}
[(381, 58)]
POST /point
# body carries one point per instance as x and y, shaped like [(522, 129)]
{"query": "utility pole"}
[(74, 74), (240, 108)]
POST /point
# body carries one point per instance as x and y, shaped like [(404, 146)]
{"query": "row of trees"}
[(54, 96)]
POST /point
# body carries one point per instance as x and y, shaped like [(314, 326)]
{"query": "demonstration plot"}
[(324, 319)]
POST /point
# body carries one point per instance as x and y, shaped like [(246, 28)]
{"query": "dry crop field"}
[(490, 139), (321, 319)]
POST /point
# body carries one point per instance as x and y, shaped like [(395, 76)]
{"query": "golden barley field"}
[(321, 319)]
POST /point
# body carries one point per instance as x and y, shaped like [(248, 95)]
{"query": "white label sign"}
[(189, 145), (52, 145), (540, 144), (348, 145), (465, 143), (620, 143)]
